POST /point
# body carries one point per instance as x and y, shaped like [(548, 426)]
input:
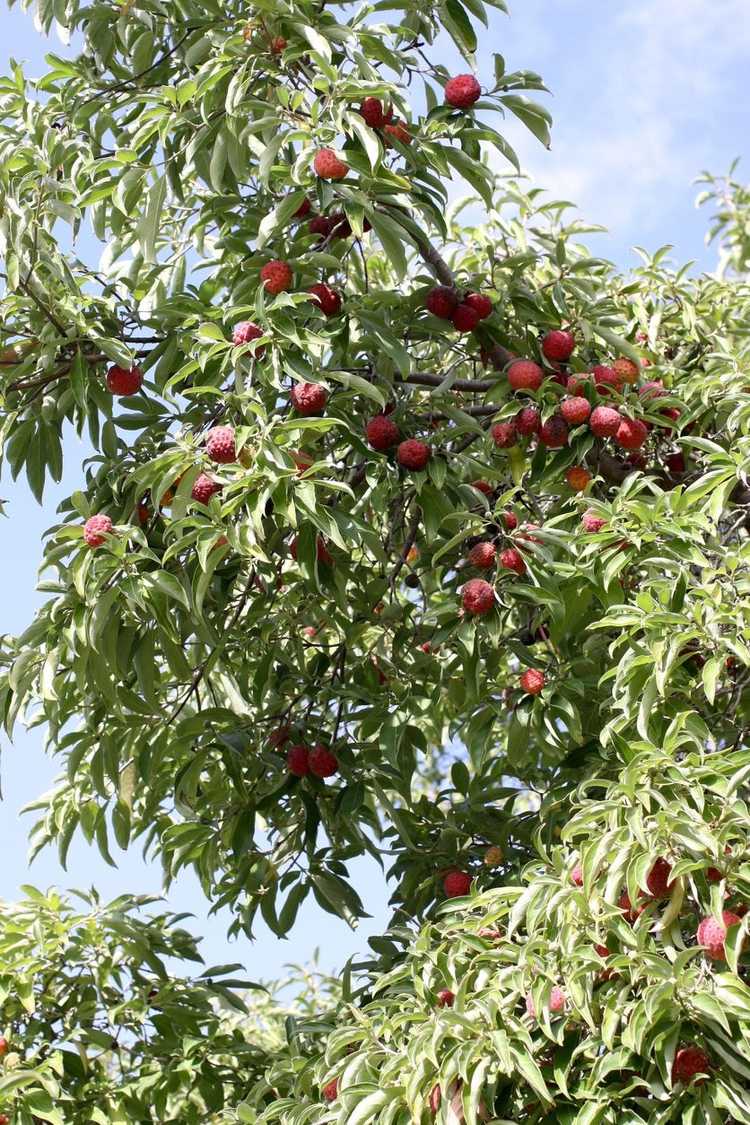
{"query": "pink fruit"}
[(524, 375), (575, 410), (658, 881), (558, 345), (298, 761), (631, 434), (445, 998), (328, 165), (483, 556), (308, 399), (481, 305), (712, 932), (220, 445), (462, 91), (276, 276), (244, 333), (528, 421), (96, 529), (511, 559), (503, 434), (478, 597), (204, 488), (605, 421), (591, 522), (532, 681), (688, 1062), (465, 318), (372, 111), (554, 432)]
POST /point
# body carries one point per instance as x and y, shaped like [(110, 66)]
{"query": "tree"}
[(405, 534)]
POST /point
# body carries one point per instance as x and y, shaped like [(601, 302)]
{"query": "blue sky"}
[(645, 96)]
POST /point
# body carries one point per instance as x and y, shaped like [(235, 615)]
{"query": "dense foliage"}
[(409, 528)]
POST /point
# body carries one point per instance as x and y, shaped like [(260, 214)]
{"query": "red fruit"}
[(532, 681), (605, 421), (96, 529), (465, 318), (483, 486), (481, 305), (304, 209), (204, 488), (511, 559), (143, 513), (413, 454), (322, 553), (220, 445), (503, 434), (631, 913), (658, 881), (244, 333), (445, 998), (554, 432), (478, 597), (631, 434), (302, 460), (326, 298), (426, 647), (510, 519), (591, 522), (688, 1062), (578, 381), (653, 389), (321, 225), (456, 884), (606, 377), (626, 370), (711, 934), (524, 533), (528, 421), (435, 1100), (558, 345), (308, 399), (322, 762), (382, 433), (331, 1091), (328, 165), (555, 1005), (298, 761), (399, 131), (276, 276), (279, 736), (124, 380), (575, 410), (372, 111), (602, 950), (578, 478), (278, 44), (442, 301), (462, 91), (4, 1119), (483, 556), (576, 876), (675, 462), (524, 375)]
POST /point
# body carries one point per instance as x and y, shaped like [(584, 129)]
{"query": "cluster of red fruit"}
[(319, 761), (465, 310), (380, 118)]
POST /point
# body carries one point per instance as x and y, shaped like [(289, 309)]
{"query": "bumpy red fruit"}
[(578, 478), (653, 389), (278, 44), (372, 111), (605, 421), (478, 597), (511, 559), (532, 681), (398, 131), (220, 445), (658, 881), (96, 529), (456, 884), (555, 1005), (124, 381), (204, 488), (510, 519), (462, 91), (323, 763), (524, 375), (442, 301), (554, 432), (321, 225), (528, 421), (591, 522), (298, 761), (558, 345), (331, 1091), (329, 165), (382, 433), (503, 434), (276, 276), (712, 932), (675, 462), (606, 378), (326, 298), (304, 209), (576, 876), (308, 399), (631, 434), (413, 454), (483, 556), (465, 318), (575, 410), (626, 370), (445, 998), (481, 305), (689, 1061), (483, 486), (244, 333)]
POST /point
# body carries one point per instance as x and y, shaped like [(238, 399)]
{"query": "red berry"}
[(528, 421), (591, 522), (143, 513), (442, 301), (435, 1100), (462, 91), (326, 298), (712, 932), (558, 345), (399, 131), (481, 305), (482, 556), (331, 1091), (322, 554), (503, 434), (653, 389), (298, 761), (578, 478), (483, 486), (4, 1119), (631, 434), (244, 333), (96, 529), (328, 165), (413, 454), (478, 597), (321, 225), (575, 410), (322, 762), (554, 432), (511, 559), (220, 445), (465, 318), (532, 681), (204, 488), (606, 377), (675, 462), (626, 370), (278, 44), (510, 519), (631, 913), (456, 884), (445, 998), (304, 209), (382, 433), (605, 421), (555, 1005), (688, 1062), (524, 375), (308, 399), (124, 380), (576, 876), (372, 111), (658, 881), (279, 736), (276, 276)]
